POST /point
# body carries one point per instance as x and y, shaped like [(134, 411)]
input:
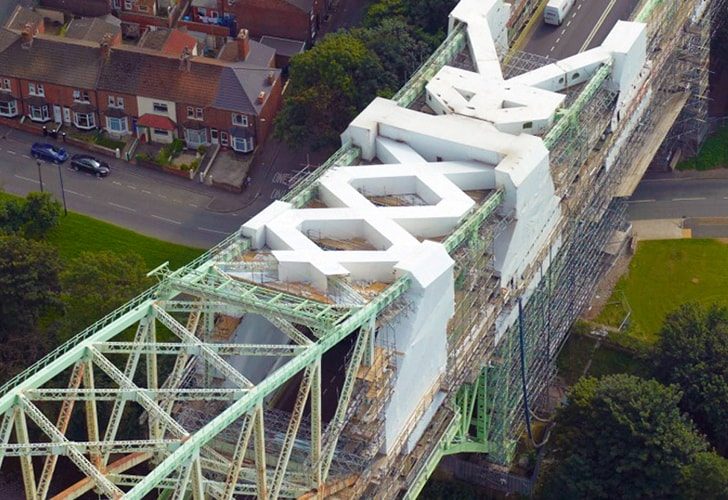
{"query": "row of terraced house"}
[(96, 82)]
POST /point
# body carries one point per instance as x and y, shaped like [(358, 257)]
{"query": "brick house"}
[(292, 19), (133, 91), (50, 81)]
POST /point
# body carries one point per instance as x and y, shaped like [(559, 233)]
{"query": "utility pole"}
[(40, 175), (63, 191)]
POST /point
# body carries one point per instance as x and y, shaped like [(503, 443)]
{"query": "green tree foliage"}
[(29, 288), (329, 83), (31, 217), (398, 47), (706, 478), (620, 437), (693, 353), (429, 16), (95, 283)]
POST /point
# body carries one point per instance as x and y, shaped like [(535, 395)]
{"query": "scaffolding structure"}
[(201, 427)]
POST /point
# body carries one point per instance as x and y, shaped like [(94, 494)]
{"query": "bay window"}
[(9, 109), (195, 138), (39, 113), (84, 120), (242, 145), (116, 125)]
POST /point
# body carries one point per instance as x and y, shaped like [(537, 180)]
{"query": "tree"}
[(430, 15), (42, 213), (95, 283), (399, 49), (619, 437), (706, 478), (29, 288), (328, 85), (693, 353), (32, 217)]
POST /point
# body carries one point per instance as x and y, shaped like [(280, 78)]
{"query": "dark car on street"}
[(90, 164), (48, 152)]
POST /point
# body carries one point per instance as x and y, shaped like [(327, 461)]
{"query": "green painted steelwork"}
[(473, 223), (455, 42)]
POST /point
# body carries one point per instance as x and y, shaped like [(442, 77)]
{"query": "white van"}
[(556, 11)]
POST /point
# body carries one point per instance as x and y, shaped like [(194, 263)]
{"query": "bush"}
[(103, 140), (202, 149)]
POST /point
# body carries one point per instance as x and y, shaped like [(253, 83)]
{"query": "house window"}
[(194, 113), (9, 109), (80, 96), (143, 8), (84, 120), (128, 4), (202, 11), (190, 112), (239, 119), (198, 113), (224, 138), (195, 137), (242, 145), (6, 84), (160, 131), (116, 125), (31, 88), (39, 113), (116, 102), (159, 107), (40, 90)]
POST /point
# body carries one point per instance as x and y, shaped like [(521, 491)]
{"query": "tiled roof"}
[(63, 62), (89, 8), (284, 46), (304, 5), (91, 29), (258, 55), (168, 41), (144, 73), (245, 79), (156, 121), (7, 38)]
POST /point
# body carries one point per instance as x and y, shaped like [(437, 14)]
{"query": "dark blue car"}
[(48, 152)]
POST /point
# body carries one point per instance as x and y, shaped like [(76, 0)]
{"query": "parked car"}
[(48, 152), (90, 164)]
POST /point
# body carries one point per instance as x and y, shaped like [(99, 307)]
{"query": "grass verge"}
[(665, 274), (713, 153)]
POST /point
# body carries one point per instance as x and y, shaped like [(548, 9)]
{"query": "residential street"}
[(147, 201)]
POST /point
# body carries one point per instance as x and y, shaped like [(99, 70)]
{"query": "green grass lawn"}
[(713, 153), (664, 275), (78, 233)]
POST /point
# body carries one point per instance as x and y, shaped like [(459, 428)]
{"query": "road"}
[(586, 26), (677, 197), (150, 202)]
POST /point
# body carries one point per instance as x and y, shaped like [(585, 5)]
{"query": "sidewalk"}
[(715, 173)]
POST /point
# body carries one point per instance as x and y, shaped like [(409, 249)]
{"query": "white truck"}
[(556, 11)]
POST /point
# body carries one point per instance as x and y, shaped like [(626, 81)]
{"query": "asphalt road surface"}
[(152, 203), (586, 26), (673, 198)]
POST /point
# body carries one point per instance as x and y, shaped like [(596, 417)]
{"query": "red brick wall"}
[(271, 17), (269, 112), (56, 94), (130, 107), (14, 85)]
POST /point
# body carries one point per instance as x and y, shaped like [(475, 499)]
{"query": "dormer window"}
[(195, 113), (5, 84), (116, 102), (240, 120)]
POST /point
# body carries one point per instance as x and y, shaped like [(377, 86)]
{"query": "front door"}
[(213, 135), (57, 114), (67, 115)]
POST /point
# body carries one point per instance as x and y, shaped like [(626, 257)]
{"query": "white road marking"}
[(26, 156), (699, 198), (725, 197), (577, 8), (117, 183), (162, 196), (552, 48), (78, 194), (212, 230), (122, 206), (569, 23), (563, 30), (558, 39), (598, 25), (146, 192), (130, 186), (12, 152), (27, 179), (193, 205), (167, 220), (641, 201)]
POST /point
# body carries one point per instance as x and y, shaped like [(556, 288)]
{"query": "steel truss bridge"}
[(147, 400)]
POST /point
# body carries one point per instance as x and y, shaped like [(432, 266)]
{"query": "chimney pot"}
[(243, 40), (26, 36), (261, 96), (271, 77)]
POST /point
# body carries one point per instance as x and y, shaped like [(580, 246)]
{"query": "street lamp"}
[(63, 191), (40, 176)]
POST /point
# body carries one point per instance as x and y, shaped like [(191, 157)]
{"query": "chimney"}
[(243, 40), (261, 97), (106, 46), (26, 36), (271, 78), (185, 59)]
